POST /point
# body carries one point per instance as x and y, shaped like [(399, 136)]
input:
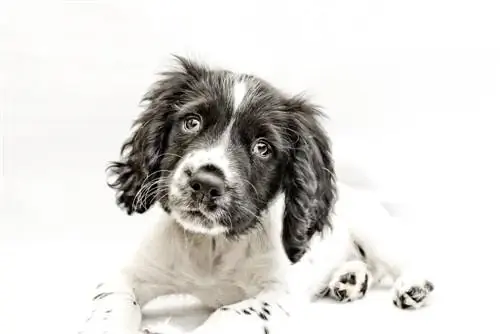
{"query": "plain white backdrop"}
[(412, 89)]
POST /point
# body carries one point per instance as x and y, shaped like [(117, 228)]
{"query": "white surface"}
[(412, 89)]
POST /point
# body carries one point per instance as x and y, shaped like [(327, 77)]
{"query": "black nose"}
[(207, 183)]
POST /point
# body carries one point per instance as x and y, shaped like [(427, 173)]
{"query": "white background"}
[(412, 89)]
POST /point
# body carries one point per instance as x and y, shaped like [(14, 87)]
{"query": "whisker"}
[(161, 197), (172, 154), (144, 193), (249, 211), (255, 189), (146, 180)]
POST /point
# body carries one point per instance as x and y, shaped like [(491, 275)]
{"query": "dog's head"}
[(214, 148)]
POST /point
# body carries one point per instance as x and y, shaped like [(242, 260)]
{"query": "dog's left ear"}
[(309, 183), (134, 176)]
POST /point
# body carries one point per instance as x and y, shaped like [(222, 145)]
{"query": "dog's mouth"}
[(197, 214), (195, 208), (198, 221)]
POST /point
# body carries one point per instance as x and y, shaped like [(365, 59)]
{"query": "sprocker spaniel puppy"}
[(255, 224)]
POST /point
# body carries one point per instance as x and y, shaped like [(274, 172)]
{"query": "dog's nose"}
[(207, 183)]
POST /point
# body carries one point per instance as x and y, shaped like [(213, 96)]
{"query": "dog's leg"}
[(389, 245), (116, 304), (115, 308)]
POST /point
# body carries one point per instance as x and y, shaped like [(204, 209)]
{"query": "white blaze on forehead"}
[(240, 89), (216, 154)]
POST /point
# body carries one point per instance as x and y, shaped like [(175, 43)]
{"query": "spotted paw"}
[(253, 307), (413, 294), (349, 283)]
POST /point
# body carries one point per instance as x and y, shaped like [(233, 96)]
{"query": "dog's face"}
[(225, 154), (214, 148)]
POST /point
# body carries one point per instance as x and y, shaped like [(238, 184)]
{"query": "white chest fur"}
[(220, 271), (217, 270)]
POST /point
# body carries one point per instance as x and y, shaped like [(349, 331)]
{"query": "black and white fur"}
[(255, 224)]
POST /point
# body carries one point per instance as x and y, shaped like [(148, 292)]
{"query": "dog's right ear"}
[(134, 177)]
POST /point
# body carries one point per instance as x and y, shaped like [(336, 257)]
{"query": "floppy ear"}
[(135, 174), (309, 182)]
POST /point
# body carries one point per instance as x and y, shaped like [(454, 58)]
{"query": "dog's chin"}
[(197, 222)]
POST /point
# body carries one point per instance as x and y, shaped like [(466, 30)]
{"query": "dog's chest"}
[(221, 273)]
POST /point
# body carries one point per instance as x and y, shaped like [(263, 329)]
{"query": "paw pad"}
[(349, 290), (349, 278), (412, 296), (349, 283)]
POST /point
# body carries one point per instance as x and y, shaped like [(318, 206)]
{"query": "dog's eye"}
[(261, 148), (192, 123)]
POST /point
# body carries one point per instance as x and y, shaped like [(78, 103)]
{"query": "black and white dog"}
[(255, 224)]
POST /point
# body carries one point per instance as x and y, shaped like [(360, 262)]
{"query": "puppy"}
[(255, 224)]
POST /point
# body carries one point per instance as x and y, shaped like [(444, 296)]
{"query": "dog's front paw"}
[(349, 283), (149, 331), (412, 294)]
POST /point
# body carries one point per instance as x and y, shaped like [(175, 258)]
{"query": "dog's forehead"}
[(254, 95), (241, 93)]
